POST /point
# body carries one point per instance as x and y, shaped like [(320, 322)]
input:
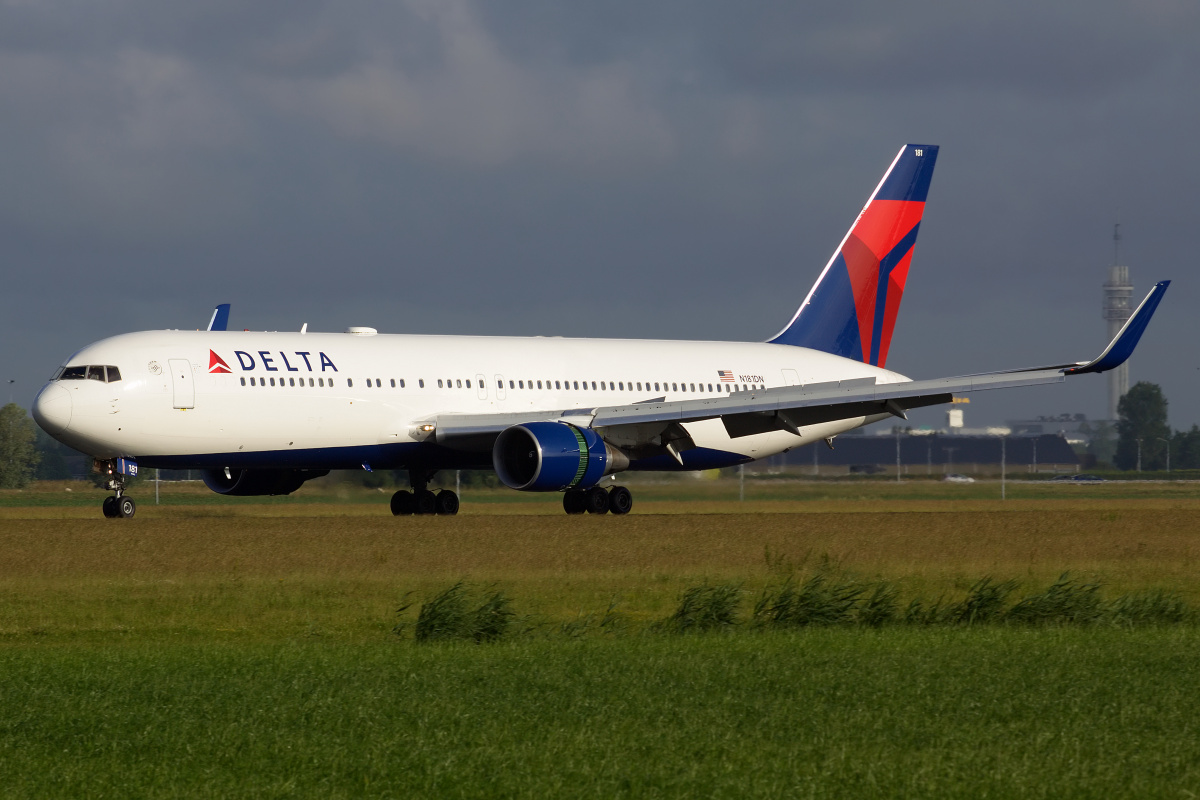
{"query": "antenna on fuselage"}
[(304, 328)]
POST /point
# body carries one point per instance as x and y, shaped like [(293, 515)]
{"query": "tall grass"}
[(706, 608), (822, 599), (458, 613)]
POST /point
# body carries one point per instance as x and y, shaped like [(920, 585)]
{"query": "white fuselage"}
[(321, 400)]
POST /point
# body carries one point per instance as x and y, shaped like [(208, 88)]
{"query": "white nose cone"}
[(52, 409)]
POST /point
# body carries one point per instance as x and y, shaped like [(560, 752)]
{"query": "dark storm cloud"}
[(668, 169)]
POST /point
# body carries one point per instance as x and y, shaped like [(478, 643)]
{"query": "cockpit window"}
[(102, 373)]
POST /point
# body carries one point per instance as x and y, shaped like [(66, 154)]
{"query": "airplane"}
[(260, 413)]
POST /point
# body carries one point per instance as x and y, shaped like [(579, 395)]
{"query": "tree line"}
[(1144, 439)]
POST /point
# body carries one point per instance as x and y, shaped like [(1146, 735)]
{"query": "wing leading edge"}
[(793, 407)]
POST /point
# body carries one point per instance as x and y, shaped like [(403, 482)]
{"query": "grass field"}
[(211, 647)]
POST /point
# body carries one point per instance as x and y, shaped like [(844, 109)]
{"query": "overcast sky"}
[(666, 170)]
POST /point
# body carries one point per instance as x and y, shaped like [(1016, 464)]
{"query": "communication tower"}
[(1118, 292)]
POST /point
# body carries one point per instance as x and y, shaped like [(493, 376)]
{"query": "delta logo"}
[(216, 364), (267, 359)]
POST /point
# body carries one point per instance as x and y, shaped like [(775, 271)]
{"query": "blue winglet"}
[(220, 318), (1121, 347)]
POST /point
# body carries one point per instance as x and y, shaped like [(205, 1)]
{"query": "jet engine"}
[(251, 482), (553, 456)]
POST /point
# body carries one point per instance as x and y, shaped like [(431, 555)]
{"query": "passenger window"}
[(656, 387), (557, 385), (439, 383), (693, 386), (320, 382), (310, 381), (458, 383), (291, 381), (521, 384), (674, 387), (349, 382), (420, 383), (402, 383), (499, 384), (468, 383), (539, 384), (593, 385), (576, 384), (243, 381), (510, 385)]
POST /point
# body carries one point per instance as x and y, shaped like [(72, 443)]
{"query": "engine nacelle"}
[(552, 457), (253, 482)]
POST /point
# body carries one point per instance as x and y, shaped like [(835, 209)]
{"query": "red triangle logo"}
[(216, 363)]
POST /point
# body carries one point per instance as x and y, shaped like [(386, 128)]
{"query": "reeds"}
[(823, 599), (460, 613)]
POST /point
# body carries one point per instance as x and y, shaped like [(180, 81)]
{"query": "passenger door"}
[(182, 382)]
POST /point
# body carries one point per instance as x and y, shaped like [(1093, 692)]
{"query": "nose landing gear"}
[(422, 501), (118, 469)]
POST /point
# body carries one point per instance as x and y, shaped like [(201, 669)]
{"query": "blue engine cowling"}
[(552, 457)]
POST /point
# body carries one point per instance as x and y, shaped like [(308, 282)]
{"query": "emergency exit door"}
[(182, 383)]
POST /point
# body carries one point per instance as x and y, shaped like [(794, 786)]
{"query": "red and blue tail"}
[(851, 310)]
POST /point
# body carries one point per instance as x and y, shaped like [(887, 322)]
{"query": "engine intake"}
[(553, 456), (254, 482)]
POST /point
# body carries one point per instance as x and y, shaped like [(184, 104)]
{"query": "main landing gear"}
[(422, 501), (598, 500)]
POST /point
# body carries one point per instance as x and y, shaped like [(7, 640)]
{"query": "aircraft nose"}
[(52, 409)]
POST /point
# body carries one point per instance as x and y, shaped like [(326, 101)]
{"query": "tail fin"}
[(851, 309)]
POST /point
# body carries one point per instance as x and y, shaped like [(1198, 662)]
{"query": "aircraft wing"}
[(791, 407)]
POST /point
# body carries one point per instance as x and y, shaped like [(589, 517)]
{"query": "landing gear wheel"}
[(596, 500), (575, 501), (620, 500), (447, 503), (110, 507), (402, 503), (126, 508), (426, 502)]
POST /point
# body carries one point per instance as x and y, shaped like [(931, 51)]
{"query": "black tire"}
[(620, 500), (402, 503), (426, 502), (574, 501), (596, 500), (447, 503), (109, 507), (126, 508)]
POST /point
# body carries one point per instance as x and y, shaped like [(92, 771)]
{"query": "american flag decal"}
[(725, 375)]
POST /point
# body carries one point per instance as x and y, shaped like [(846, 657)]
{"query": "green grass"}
[(900, 712), (251, 649)]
